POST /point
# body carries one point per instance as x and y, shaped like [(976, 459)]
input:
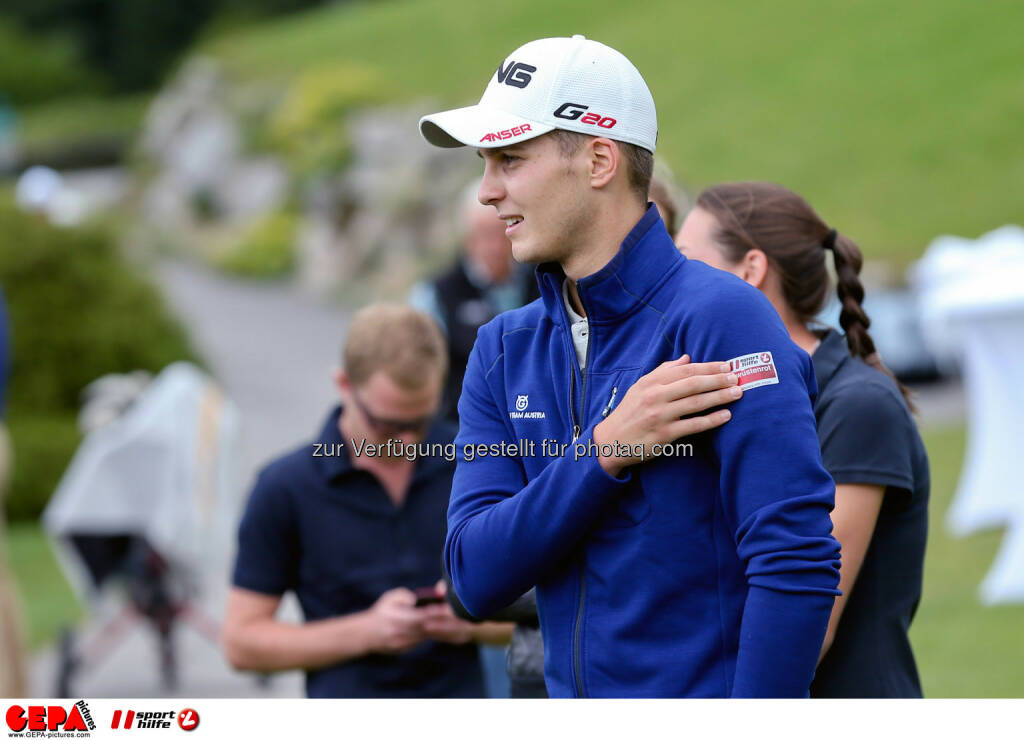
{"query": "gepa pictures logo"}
[(515, 74), (37, 720)]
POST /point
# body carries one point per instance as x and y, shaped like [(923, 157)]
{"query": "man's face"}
[(380, 409), (542, 195)]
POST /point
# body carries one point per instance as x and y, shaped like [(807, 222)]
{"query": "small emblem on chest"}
[(522, 403)]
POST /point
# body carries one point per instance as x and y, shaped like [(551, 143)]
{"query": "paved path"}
[(272, 350)]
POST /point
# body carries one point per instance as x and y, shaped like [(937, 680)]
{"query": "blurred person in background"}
[(770, 237), (353, 523), (483, 281), (665, 194), (524, 659), (12, 664)]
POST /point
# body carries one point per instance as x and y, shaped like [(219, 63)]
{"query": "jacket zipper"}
[(578, 631), (572, 400)]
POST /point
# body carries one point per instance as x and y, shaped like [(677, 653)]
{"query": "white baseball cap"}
[(566, 83)]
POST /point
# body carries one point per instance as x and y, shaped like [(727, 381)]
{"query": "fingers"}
[(406, 622), (702, 402), (399, 607), (448, 628), (698, 384), (433, 611), (698, 424), (435, 625), (669, 372), (399, 596)]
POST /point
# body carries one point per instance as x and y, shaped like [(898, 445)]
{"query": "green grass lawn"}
[(899, 122), (963, 649), (47, 600)]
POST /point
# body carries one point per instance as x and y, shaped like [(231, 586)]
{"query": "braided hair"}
[(774, 219)]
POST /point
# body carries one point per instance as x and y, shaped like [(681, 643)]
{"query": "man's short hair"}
[(639, 161), (404, 343)]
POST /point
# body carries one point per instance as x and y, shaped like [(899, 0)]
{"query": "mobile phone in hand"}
[(427, 595)]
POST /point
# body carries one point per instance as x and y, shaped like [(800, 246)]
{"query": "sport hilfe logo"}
[(36, 717), (187, 719), (575, 111), (515, 74)]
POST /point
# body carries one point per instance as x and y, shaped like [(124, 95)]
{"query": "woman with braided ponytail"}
[(771, 237)]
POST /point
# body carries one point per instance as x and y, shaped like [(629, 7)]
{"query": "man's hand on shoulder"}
[(650, 412)]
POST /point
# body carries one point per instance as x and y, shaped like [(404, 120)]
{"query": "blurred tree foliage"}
[(266, 250), (132, 43), (308, 126), (33, 69), (77, 310)]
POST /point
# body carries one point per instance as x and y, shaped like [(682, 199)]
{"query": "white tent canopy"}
[(164, 470)]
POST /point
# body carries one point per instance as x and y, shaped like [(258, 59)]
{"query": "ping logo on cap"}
[(516, 74)]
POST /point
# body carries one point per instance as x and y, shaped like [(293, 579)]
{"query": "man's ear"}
[(754, 268), (342, 382), (605, 159)]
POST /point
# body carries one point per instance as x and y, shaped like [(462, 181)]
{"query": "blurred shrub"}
[(77, 311), (266, 250), (308, 125), (32, 69), (43, 445), (71, 120)]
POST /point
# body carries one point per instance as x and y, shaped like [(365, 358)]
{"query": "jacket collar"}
[(645, 259)]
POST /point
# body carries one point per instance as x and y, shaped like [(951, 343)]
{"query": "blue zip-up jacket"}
[(711, 574)]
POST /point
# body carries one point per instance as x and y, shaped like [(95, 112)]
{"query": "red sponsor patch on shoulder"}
[(755, 370)]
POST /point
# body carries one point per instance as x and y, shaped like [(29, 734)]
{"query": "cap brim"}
[(480, 127)]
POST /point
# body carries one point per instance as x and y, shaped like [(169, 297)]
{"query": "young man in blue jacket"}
[(664, 567)]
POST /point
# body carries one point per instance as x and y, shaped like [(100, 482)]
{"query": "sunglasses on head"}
[(392, 426)]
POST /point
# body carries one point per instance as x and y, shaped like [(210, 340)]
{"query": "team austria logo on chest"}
[(522, 404)]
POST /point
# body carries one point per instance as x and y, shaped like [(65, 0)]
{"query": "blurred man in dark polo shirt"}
[(353, 522)]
